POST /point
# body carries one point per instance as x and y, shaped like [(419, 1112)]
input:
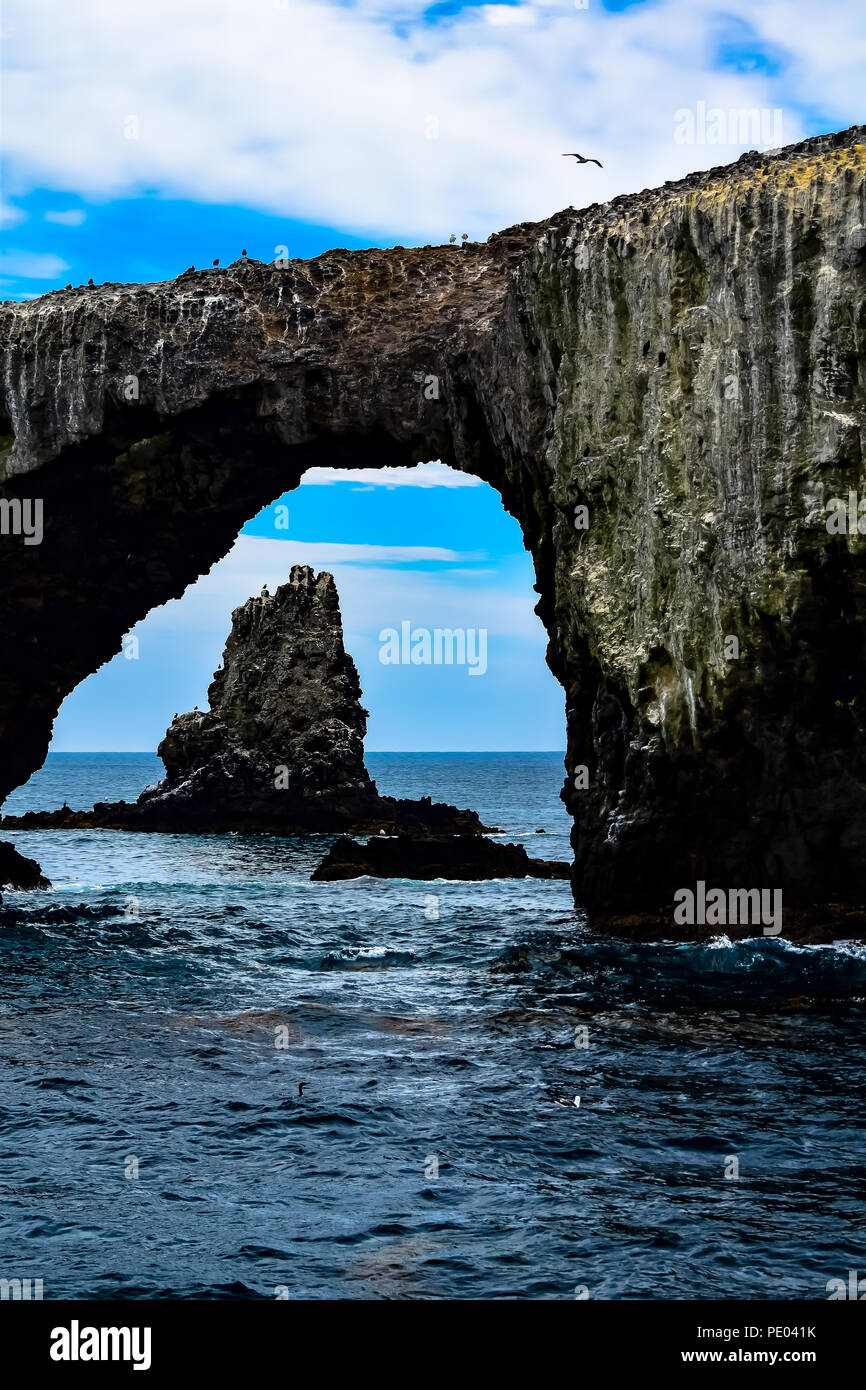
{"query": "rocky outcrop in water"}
[(16, 871), (464, 857), (281, 746), (668, 391)]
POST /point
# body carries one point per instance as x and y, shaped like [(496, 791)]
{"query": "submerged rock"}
[(281, 747), (456, 857)]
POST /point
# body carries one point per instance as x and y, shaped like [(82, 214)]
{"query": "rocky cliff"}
[(667, 390), (281, 746)]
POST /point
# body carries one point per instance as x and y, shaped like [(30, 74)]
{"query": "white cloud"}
[(423, 475), (257, 560), (72, 217), (503, 15), (10, 215), (371, 597), (320, 110), (29, 265), (339, 552)]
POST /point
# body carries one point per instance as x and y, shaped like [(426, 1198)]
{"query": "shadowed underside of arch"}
[(665, 390)]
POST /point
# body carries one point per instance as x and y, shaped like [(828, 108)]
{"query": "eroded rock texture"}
[(687, 363), (280, 747), (284, 732)]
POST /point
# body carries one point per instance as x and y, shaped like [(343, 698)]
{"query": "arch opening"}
[(429, 547)]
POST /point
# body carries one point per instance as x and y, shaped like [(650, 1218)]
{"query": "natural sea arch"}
[(152, 421), (686, 363)]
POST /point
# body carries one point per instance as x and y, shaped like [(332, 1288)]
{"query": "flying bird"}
[(581, 159)]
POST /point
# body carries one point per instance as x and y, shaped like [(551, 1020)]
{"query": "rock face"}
[(465, 857), (685, 364), (281, 747), (283, 739), (18, 872)]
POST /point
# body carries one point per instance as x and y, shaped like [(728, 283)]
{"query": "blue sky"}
[(435, 556), (142, 139)]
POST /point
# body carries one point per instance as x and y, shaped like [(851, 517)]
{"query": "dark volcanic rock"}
[(283, 739), (813, 926), (16, 871), (457, 857), (685, 363), (281, 748)]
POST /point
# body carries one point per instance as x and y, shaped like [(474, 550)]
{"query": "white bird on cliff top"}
[(582, 159)]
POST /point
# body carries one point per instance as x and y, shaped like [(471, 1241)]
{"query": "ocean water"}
[(162, 1003)]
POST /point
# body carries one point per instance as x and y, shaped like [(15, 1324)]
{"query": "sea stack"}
[(283, 737), (281, 747)]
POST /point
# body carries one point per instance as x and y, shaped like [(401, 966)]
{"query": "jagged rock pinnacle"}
[(281, 745)]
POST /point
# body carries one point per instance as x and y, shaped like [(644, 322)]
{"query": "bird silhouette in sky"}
[(582, 159)]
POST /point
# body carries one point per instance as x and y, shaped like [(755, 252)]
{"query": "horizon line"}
[(151, 752)]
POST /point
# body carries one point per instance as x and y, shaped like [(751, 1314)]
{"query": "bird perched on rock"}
[(244, 252), (581, 159), (90, 281), (453, 238), (217, 261)]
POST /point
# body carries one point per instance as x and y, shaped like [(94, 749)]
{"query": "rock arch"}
[(686, 363)]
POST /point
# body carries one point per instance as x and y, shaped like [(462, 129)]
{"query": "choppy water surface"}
[(142, 1000)]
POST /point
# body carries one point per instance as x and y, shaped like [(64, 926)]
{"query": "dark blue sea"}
[(162, 1003)]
